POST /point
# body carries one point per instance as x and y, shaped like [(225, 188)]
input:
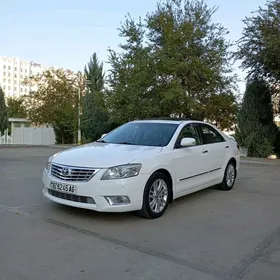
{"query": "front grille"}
[(72, 197), (72, 174)]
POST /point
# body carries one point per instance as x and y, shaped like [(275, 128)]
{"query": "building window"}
[(25, 70), (4, 80), (21, 90), (15, 89), (4, 67), (25, 90), (4, 87), (15, 69), (15, 75), (9, 67), (4, 73), (9, 87), (9, 74), (9, 81)]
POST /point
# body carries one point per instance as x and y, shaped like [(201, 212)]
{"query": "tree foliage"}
[(16, 107), (222, 110), (95, 114), (94, 74), (54, 101), (258, 48), (3, 112), (256, 130), (172, 63)]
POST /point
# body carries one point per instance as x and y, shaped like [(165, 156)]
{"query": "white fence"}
[(23, 134), (5, 139), (33, 135)]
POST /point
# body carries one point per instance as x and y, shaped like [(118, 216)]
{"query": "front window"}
[(189, 131), (210, 135), (142, 134)]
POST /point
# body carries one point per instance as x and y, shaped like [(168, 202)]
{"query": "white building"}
[(12, 73)]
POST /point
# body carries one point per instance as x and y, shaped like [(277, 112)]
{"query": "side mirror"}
[(188, 142), (103, 135)]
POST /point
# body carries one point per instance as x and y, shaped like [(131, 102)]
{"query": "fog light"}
[(117, 200), (90, 200)]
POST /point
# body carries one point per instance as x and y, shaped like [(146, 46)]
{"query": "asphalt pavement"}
[(210, 235)]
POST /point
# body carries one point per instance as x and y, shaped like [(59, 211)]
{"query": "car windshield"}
[(142, 134)]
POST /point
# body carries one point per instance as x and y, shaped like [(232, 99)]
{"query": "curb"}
[(260, 163)]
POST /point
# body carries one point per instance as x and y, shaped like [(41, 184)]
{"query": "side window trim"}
[(199, 133)]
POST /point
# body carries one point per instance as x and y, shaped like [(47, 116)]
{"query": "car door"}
[(216, 147), (189, 163)]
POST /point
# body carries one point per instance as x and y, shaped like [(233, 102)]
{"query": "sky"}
[(65, 33)]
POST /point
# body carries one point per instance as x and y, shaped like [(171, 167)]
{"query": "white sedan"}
[(142, 166)]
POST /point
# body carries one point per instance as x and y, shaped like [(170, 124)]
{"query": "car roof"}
[(165, 120)]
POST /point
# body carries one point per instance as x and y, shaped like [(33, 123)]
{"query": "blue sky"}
[(65, 33)]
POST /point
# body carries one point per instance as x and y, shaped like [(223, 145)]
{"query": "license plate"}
[(66, 188)]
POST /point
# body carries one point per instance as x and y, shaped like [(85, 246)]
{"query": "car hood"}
[(104, 155)]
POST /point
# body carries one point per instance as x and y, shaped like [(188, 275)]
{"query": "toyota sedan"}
[(142, 166)]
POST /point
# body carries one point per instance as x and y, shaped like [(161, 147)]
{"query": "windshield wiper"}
[(100, 141), (125, 143)]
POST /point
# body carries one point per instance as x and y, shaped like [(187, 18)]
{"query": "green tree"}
[(172, 63), (256, 130), (94, 74), (258, 48), (16, 108), (133, 87), (95, 114), (222, 110), (55, 101), (3, 112)]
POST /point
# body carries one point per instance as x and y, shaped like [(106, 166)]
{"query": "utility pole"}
[(79, 117), (87, 82)]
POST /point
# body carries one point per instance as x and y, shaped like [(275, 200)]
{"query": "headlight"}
[(48, 164), (122, 171)]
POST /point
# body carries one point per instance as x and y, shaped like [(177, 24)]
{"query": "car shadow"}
[(126, 217)]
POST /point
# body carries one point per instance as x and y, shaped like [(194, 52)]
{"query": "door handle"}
[(205, 152), (227, 147)]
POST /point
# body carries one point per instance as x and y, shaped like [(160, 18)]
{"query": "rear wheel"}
[(229, 177), (156, 196)]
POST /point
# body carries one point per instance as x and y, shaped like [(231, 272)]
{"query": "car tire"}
[(229, 177), (156, 196)]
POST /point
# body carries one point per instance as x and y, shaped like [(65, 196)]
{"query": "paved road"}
[(210, 235)]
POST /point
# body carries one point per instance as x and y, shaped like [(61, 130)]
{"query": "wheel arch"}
[(233, 160)]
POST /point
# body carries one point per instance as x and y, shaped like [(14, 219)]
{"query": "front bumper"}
[(97, 189)]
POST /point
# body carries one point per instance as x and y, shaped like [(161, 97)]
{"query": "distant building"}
[(12, 73)]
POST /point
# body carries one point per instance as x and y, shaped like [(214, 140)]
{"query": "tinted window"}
[(143, 134), (210, 135), (189, 131)]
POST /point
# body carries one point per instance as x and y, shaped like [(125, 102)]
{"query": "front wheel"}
[(156, 196), (229, 177)]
